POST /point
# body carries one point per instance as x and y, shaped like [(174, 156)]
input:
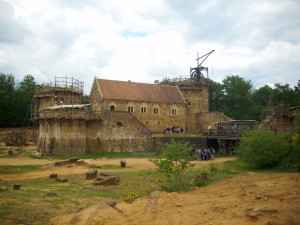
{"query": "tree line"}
[(16, 100), (239, 100), (234, 96)]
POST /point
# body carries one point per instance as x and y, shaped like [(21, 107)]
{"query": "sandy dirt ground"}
[(256, 198), (266, 199)]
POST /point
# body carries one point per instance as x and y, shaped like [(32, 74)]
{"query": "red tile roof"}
[(132, 91)]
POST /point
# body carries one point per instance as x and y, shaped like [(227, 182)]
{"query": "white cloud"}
[(146, 40)]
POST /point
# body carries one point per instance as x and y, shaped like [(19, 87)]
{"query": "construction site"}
[(121, 116)]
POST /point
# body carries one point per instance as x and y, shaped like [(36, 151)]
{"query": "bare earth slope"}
[(252, 199)]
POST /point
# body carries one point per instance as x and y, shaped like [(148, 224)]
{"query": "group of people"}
[(203, 154), (171, 130)]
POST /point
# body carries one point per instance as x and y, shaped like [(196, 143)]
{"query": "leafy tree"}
[(216, 96), (297, 88), (285, 94), (262, 96), (263, 149), (7, 88), (25, 94), (15, 102), (237, 99), (261, 99), (176, 160)]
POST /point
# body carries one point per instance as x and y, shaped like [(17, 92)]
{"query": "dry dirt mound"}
[(252, 199)]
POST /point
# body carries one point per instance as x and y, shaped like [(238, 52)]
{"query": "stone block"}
[(104, 174), (111, 180), (91, 174), (80, 162), (53, 175), (73, 160), (61, 163), (61, 180)]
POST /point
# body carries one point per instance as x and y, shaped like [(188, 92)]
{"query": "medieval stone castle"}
[(120, 116)]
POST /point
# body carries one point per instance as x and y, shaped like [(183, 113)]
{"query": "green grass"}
[(32, 205), (244, 167), (10, 169), (6, 149)]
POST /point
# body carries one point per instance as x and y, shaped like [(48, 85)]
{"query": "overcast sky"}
[(146, 40)]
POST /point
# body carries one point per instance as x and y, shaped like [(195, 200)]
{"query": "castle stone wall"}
[(166, 114), (62, 137)]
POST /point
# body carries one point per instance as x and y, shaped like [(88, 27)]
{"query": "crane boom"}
[(207, 54)]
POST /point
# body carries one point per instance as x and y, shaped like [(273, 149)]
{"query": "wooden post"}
[(17, 187)]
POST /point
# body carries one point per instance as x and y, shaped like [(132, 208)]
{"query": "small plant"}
[(131, 196), (201, 180), (123, 163), (174, 164)]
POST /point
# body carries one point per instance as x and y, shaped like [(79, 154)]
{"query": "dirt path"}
[(133, 164)]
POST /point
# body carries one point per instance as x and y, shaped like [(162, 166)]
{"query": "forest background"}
[(234, 96)]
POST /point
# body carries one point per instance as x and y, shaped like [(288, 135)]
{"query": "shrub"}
[(175, 162), (263, 149)]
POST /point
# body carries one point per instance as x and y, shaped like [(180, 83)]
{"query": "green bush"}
[(173, 165), (263, 149)]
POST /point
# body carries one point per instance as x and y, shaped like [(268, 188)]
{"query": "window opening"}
[(130, 109), (143, 109)]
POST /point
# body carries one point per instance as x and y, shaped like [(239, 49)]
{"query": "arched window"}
[(112, 106), (130, 107), (144, 107), (174, 110)]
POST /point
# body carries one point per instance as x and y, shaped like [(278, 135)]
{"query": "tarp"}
[(57, 107)]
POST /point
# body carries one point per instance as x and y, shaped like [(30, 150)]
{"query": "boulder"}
[(36, 154), (91, 174), (112, 204)]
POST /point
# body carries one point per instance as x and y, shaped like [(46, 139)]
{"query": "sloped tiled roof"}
[(132, 91)]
